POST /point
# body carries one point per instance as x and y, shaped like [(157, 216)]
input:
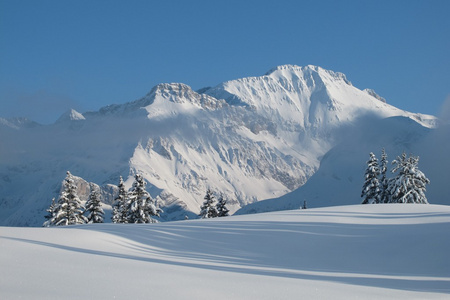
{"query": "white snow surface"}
[(386, 251)]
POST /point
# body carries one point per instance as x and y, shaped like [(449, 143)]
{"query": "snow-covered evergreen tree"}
[(94, 210), (208, 209), (221, 206), (141, 205), (51, 213), (120, 208), (408, 186), (371, 188), (115, 216), (69, 210), (384, 194)]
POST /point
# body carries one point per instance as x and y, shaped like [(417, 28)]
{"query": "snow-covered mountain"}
[(252, 139)]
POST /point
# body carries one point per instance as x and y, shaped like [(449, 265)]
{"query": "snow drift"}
[(386, 251)]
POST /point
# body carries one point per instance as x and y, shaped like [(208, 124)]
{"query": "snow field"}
[(349, 252)]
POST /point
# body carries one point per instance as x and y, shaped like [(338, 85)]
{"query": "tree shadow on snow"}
[(388, 256)]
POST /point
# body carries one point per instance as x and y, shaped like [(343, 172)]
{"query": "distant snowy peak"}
[(182, 93), (164, 100), (17, 123), (172, 99), (71, 115), (5, 123)]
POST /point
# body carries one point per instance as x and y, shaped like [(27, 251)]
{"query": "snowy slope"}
[(252, 139), (340, 175), (348, 252)]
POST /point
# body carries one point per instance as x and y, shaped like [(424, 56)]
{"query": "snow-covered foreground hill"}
[(348, 252)]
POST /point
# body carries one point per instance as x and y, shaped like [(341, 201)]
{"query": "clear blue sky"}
[(61, 54)]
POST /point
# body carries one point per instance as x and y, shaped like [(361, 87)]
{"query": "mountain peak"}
[(163, 100), (172, 91), (286, 70), (285, 67), (295, 68), (173, 86), (71, 115), (183, 94)]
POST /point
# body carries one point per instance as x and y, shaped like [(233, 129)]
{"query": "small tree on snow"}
[(51, 213), (384, 181), (371, 188), (408, 186), (222, 210), (94, 207), (208, 209), (141, 205), (120, 208), (68, 210)]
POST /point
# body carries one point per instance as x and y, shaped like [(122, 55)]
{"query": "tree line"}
[(133, 206), (212, 209), (408, 184), (68, 209)]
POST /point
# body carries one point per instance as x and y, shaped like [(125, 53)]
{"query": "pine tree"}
[(408, 186), (94, 207), (221, 207), (384, 181), (120, 209), (51, 213), (141, 205), (208, 209), (371, 188), (69, 210)]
